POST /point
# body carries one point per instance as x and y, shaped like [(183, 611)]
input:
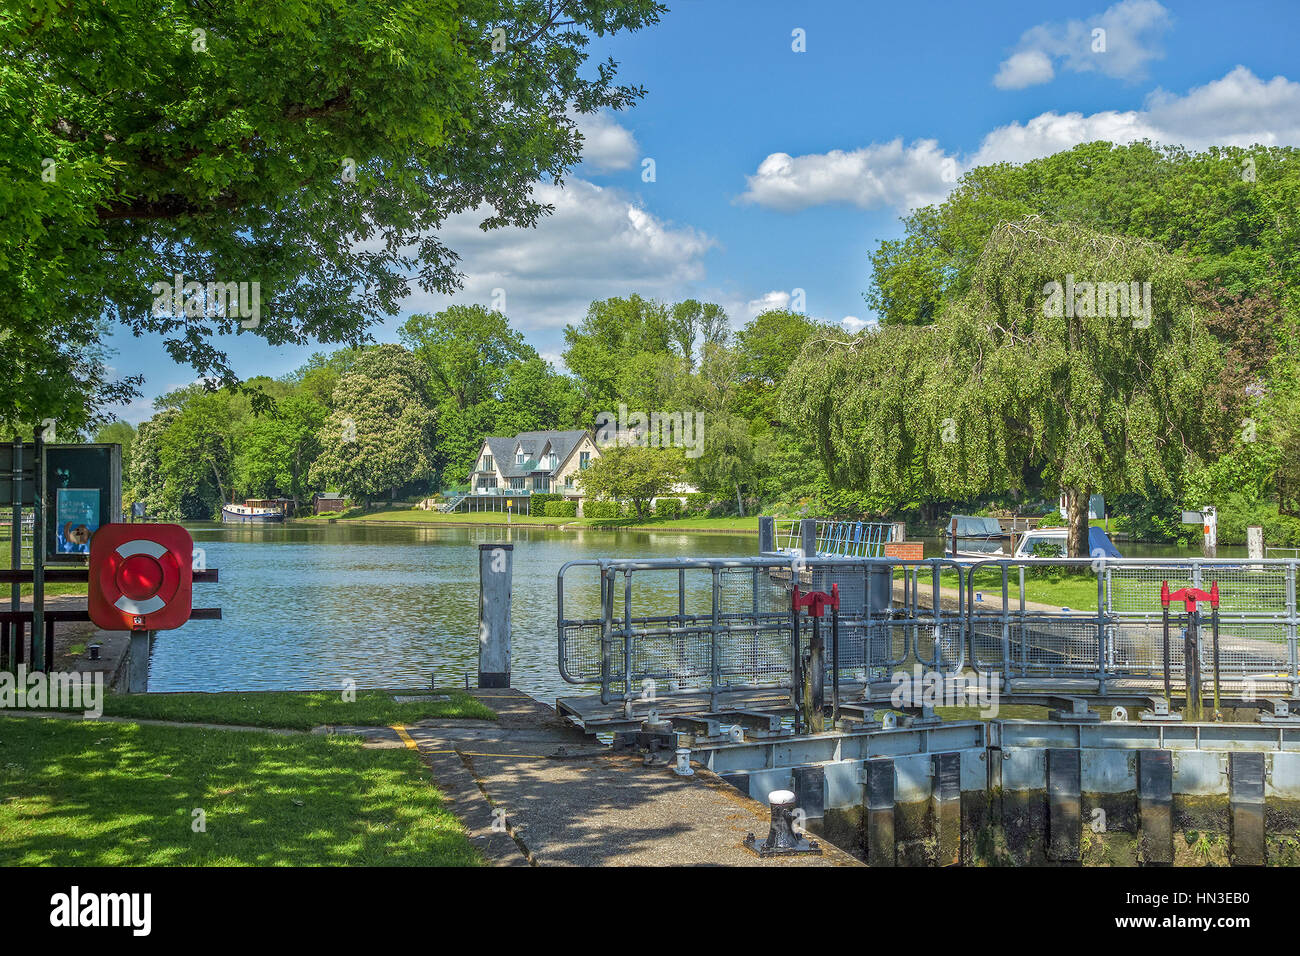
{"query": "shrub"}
[(602, 509), (668, 508), (1052, 519), (540, 501), (698, 503), (560, 509)]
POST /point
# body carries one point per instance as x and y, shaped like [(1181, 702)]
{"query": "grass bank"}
[(118, 794), (423, 517), (51, 588), (296, 710)]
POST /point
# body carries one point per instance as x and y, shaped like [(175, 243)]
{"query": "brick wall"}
[(905, 550)]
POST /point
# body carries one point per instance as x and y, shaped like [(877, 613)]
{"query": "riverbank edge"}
[(558, 526)]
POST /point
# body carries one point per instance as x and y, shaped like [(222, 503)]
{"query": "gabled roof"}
[(534, 445)]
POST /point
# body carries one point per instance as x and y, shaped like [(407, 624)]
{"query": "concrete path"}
[(533, 790)]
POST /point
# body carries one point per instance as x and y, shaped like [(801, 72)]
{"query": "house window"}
[(487, 463), (541, 483), (517, 484), (584, 459)]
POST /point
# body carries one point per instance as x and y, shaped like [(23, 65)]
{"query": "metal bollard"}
[(781, 838)]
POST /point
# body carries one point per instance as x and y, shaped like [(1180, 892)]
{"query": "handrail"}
[(733, 629)]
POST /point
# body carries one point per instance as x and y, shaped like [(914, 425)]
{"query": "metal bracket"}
[(1279, 712), (1159, 711), (1073, 710)]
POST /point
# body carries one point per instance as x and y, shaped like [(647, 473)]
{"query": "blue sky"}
[(777, 170)]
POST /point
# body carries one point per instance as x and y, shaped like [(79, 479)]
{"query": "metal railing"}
[(664, 626), (846, 539)]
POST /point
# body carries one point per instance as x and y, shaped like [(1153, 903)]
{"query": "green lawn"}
[(99, 794), (1078, 592), (296, 710), (68, 587), (736, 525)]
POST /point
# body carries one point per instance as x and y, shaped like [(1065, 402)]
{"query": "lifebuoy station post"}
[(141, 580)]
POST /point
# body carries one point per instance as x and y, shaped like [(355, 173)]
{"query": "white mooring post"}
[(495, 571), (1210, 545)]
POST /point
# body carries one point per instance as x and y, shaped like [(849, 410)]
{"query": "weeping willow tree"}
[(1076, 355)]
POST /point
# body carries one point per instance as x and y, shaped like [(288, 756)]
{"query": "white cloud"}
[(599, 242), (1239, 109), (767, 302), (606, 145), (1116, 43), (1027, 68), (853, 324), (882, 174)]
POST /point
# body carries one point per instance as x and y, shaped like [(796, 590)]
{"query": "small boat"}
[(984, 539), (254, 512)]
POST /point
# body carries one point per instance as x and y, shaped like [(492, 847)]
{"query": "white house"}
[(533, 463)]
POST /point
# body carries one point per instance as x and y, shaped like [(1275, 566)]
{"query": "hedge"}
[(699, 503), (668, 508), (602, 509), (560, 509), (540, 501)]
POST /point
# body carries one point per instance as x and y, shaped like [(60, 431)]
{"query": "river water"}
[(317, 605)]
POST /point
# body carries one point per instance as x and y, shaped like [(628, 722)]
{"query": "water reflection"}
[(310, 606)]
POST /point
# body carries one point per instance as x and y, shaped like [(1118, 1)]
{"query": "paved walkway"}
[(533, 790)]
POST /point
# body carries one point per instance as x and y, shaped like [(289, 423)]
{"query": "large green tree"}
[(1011, 380), (380, 433), (313, 146), (632, 473)]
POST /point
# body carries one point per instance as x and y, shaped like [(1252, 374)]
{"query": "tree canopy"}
[(1003, 384), (314, 147)]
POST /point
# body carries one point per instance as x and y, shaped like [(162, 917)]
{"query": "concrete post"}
[(808, 537), (766, 535), (1255, 543), (898, 531), (495, 572), (137, 662)]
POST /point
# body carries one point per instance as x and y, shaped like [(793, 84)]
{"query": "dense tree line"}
[(974, 392), (408, 419)]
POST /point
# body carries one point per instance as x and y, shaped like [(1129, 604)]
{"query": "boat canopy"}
[(1099, 540), (976, 526)]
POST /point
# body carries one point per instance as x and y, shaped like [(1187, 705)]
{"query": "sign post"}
[(38, 556)]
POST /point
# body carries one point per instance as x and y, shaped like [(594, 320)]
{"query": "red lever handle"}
[(817, 601)]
